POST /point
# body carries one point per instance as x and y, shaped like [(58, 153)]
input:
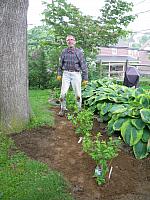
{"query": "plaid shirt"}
[(72, 59)]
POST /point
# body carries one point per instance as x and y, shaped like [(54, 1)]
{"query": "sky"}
[(89, 7)]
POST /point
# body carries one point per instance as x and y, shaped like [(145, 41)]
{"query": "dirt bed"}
[(58, 147)]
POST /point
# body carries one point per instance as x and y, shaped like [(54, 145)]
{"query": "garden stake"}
[(80, 139), (110, 172)]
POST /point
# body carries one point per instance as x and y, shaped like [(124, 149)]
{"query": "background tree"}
[(14, 106), (62, 18), (43, 55), (114, 20)]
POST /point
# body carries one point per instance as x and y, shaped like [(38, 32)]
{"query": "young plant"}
[(71, 102), (83, 122), (101, 152)]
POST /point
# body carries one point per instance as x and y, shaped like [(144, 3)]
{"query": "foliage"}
[(38, 74), (66, 19), (71, 102), (126, 109), (43, 58), (142, 40), (46, 42), (83, 121), (22, 178), (115, 18), (101, 151), (145, 82)]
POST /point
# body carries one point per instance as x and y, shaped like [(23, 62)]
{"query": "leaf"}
[(99, 106), (118, 123), (146, 135), (117, 109), (140, 150), (145, 115), (108, 90), (110, 129), (105, 108), (138, 123), (91, 100), (138, 91), (101, 97), (145, 101), (88, 93), (130, 134), (106, 117)]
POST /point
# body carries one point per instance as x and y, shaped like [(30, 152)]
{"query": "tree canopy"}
[(111, 24), (61, 19)]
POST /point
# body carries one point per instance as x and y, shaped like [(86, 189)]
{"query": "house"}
[(115, 59)]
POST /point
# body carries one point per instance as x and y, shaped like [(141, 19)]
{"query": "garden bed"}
[(59, 148)]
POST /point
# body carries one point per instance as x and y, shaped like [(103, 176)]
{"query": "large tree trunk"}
[(14, 107)]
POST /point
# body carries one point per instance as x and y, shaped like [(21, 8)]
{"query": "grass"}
[(22, 178), (26, 179), (41, 115)]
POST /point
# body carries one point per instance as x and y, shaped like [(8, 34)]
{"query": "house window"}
[(114, 51)]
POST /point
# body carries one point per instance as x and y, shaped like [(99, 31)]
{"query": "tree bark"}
[(14, 105)]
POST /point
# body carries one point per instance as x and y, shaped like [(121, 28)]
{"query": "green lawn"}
[(41, 114), (22, 178)]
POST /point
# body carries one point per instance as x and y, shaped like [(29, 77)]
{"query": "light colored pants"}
[(73, 78)]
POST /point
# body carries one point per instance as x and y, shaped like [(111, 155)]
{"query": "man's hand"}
[(59, 78), (84, 82)]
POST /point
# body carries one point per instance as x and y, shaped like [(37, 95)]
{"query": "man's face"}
[(70, 41)]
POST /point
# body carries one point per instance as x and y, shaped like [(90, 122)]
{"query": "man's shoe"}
[(62, 112)]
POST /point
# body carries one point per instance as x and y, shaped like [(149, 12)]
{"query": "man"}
[(72, 67)]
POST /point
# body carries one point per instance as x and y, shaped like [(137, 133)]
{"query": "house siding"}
[(142, 55)]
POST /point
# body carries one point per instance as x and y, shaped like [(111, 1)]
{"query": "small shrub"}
[(83, 122), (101, 152)]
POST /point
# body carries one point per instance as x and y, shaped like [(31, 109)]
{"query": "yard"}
[(58, 147)]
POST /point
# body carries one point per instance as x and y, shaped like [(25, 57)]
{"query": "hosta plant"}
[(134, 124), (125, 109)]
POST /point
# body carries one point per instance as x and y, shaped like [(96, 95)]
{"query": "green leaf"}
[(105, 108), (138, 123), (138, 91), (118, 123), (110, 129), (130, 134), (99, 105), (101, 97), (145, 101), (88, 93), (146, 135), (91, 100), (106, 117), (145, 115), (117, 108), (140, 150)]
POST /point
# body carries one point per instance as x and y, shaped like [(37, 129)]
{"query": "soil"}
[(58, 147)]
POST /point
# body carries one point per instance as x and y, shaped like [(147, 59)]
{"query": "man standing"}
[(73, 70)]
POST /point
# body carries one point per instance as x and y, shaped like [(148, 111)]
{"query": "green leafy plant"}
[(71, 102), (133, 123), (83, 122), (125, 109), (102, 152)]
